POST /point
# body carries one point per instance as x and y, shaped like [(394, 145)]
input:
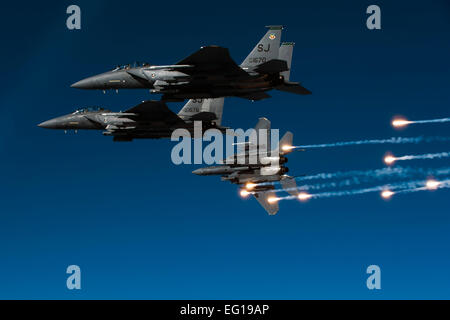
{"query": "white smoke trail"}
[(432, 121), (429, 121), (401, 187), (393, 140), (423, 156), (391, 187), (360, 177), (442, 185), (374, 173), (399, 172)]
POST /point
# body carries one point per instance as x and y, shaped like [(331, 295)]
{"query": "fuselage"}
[(175, 84), (121, 125)]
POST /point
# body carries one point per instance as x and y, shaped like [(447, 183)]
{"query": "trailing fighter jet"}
[(210, 73), (258, 177), (150, 119)]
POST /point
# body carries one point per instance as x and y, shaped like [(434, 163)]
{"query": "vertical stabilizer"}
[(266, 49), (285, 144), (285, 54), (263, 138), (196, 106)]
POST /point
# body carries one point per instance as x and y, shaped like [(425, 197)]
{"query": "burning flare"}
[(250, 185), (244, 193), (387, 194), (432, 184), (399, 123), (272, 199), (287, 148), (389, 159), (303, 196)]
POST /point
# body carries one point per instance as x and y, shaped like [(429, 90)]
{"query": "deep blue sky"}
[(141, 227)]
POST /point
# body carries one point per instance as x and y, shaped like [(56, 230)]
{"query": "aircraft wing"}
[(214, 60), (263, 199), (154, 111)]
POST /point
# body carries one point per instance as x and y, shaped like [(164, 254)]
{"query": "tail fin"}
[(266, 49), (216, 106), (285, 54), (263, 124), (203, 109), (285, 143)]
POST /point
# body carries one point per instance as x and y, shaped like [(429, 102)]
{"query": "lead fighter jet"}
[(210, 73), (258, 178), (150, 119)]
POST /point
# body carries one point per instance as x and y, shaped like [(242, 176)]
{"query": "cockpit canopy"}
[(89, 109), (131, 65)]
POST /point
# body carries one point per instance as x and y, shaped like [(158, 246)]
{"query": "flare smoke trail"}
[(377, 174), (442, 185), (360, 177), (404, 122), (401, 187), (423, 156), (399, 172), (393, 140), (431, 121)]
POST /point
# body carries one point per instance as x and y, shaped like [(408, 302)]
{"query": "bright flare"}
[(287, 148), (250, 186), (386, 194), (398, 123), (272, 199), (389, 159), (432, 184), (244, 193), (303, 196)]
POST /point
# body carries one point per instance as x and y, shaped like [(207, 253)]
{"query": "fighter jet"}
[(258, 178), (150, 119), (210, 73)]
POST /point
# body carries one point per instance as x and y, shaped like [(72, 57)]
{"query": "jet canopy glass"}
[(136, 64), (88, 109)]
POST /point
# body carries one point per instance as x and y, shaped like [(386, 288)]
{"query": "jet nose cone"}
[(49, 124), (88, 83), (198, 171)]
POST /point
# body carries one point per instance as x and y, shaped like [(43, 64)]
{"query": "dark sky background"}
[(141, 227)]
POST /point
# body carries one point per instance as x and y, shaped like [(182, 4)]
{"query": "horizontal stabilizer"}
[(265, 200), (272, 66), (255, 96), (293, 87), (203, 116)]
